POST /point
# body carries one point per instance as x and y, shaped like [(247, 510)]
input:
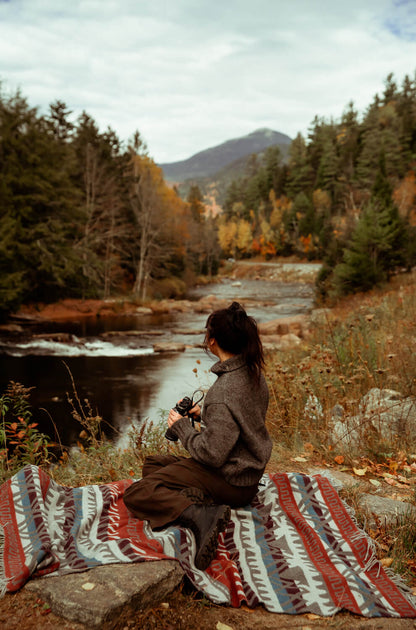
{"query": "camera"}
[(183, 407)]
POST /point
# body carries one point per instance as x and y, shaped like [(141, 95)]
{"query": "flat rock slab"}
[(108, 594)]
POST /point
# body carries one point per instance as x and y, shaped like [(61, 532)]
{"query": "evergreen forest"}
[(83, 214)]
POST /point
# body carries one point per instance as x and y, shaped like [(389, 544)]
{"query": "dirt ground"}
[(186, 610)]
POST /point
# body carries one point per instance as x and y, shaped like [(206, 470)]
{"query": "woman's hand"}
[(173, 417), (195, 411)]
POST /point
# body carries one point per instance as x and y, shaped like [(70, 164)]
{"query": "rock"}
[(188, 332), (169, 347), (384, 413), (108, 594), (378, 400), (58, 337), (11, 328), (210, 303), (280, 342), (321, 316), (298, 325), (289, 341), (313, 409), (131, 333)]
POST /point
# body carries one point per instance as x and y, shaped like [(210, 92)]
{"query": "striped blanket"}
[(295, 549)]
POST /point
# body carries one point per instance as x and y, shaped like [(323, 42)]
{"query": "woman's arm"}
[(214, 443)]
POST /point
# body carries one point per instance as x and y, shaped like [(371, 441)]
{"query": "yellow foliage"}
[(321, 200), (244, 236)]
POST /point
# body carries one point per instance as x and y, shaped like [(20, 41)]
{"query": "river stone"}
[(57, 337), (11, 328), (169, 347), (297, 324), (108, 594)]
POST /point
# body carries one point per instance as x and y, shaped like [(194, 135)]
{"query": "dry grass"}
[(364, 342)]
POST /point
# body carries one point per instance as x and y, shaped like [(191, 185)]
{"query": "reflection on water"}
[(122, 378), (122, 391)]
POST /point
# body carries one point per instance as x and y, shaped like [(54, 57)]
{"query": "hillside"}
[(208, 162), (214, 187)]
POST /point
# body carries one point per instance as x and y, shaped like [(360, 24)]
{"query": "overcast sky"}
[(190, 74)]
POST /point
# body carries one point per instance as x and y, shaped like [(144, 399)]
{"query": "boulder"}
[(108, 595), (280, 342), (297, 324), (384, 413)]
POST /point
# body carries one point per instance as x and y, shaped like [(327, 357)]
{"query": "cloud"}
[(401, 20), (191, 74)]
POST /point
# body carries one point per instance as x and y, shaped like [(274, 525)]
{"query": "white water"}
[(77, 348)]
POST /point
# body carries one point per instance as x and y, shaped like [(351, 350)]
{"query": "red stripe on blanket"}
[(14, 559), (360, 548), (336, 583)]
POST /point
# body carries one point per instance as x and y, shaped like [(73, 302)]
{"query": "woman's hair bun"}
[(237, 311)]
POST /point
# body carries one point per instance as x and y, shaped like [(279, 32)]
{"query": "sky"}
[(191, 74)]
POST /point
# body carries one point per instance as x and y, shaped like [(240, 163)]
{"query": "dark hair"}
[(237, 332)]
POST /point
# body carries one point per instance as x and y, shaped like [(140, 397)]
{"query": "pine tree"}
[(374, 251)]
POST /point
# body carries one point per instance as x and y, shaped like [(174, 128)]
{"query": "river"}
[(123, 379)]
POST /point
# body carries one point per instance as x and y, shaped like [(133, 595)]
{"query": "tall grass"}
[(363, 343)]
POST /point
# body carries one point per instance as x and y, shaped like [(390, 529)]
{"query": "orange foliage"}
[(405, 197)]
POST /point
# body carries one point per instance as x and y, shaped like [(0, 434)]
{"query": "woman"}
[(227, 457)]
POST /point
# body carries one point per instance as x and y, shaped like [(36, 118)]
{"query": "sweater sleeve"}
[(214, 443)]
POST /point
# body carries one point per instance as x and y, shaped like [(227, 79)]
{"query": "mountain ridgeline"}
[(209, 162)]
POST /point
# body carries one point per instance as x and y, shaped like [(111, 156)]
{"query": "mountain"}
[(207, 163)]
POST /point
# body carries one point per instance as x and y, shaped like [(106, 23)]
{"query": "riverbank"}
[(365, 342), (274, 271)]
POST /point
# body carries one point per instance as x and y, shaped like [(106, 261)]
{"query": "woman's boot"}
[(206, 522)]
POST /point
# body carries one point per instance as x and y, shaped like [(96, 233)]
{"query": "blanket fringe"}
[(3, 581)]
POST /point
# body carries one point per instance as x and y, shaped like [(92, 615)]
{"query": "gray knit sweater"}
[(234, 439)]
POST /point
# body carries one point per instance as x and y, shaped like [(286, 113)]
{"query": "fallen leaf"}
[(393, 465), (222, 626), (391, 482), (339, 459), (386, 562), (312, 616), (375, 482), (308, 447), (88, 586), (403, 479), (360, 471), (298, 459)]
